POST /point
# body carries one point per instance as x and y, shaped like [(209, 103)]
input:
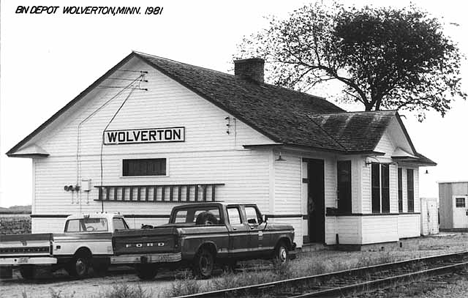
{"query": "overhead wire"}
[(124, 88)]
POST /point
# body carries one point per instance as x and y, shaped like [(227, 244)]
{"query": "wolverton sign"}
[(146, 135)]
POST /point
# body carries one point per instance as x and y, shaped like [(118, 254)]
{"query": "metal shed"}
[(453, 201)]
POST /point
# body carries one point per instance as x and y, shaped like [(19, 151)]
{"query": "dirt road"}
[(67, 287)]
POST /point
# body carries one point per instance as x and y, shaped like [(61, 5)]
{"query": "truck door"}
[(238, 232), (257, 235)]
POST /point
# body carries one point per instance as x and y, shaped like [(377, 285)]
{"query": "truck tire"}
[(146, 271), (27, 271), (203, 263), (281, 255), (79, 266)]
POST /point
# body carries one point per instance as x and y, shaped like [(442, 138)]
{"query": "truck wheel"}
[(146, 271), (281, 255), (203, 263), (27, 271), (79, 266)]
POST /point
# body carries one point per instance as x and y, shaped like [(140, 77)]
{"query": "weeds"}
[(125, 291), (187, 285)]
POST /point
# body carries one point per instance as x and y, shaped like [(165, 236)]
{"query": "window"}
[(253, 217), (410, 183), (460, 202), (234, 216), (119, 224), (385, 183), (86, 225), (144, 167), (344, 186), (380, 188), (400, 190), (200, 214)]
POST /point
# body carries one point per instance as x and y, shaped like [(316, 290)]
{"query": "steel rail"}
[(310, 282), (375, 284)]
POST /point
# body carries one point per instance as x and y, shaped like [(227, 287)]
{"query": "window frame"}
[(124, 167), (400, 190), (380, 188), (410, 189), (345, 204)]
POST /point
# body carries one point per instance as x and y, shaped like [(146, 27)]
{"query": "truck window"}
[(253, 217), (119, 224), (234, 216), (95, 224), (86, 225), (72, 226), (190, 215)]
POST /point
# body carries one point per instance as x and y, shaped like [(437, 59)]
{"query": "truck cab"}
[(98, 222)]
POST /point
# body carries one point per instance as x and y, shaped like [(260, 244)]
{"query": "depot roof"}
[(286, 116)]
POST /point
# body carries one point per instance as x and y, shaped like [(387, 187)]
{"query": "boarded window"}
[(144, 167), (410, 183), (344, 186), (400, 190)]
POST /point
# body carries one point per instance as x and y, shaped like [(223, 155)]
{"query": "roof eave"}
[(12, 151), (29, 155)]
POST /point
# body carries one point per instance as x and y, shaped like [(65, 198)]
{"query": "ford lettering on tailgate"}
[(148, 244)]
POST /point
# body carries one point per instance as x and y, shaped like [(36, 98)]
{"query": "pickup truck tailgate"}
[(26, 249), (26, 245), (150, 241)]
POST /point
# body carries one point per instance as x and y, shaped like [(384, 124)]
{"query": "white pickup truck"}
[(85, 242)]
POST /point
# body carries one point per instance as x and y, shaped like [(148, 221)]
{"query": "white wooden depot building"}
[(152, 133)]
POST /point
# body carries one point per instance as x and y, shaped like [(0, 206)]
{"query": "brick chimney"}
[(252, 68)]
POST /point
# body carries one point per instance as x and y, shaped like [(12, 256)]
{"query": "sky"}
[(48, 58)]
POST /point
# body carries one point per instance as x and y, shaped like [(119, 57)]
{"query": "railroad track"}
[(338, 284)]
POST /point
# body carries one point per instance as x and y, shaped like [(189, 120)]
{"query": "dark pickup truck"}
[(202, 235), (198, 236)]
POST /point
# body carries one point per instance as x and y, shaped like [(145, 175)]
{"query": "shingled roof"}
[(279, 113), (286, 116)]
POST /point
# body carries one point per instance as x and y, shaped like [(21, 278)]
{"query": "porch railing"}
[(186, 193)]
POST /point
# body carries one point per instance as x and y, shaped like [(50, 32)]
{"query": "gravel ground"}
[(455, 285)]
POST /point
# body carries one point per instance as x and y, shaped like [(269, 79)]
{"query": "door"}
[(460, 212), (315, 200), (258, 236), (239, 233)]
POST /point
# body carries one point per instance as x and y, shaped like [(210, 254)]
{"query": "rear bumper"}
[(149, 258), (17, 261)]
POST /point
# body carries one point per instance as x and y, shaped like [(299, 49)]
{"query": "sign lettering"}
[(139, 136)]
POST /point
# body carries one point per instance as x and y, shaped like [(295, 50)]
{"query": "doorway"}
[(315, 200)]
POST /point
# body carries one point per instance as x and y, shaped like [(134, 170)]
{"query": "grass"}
[(118, 291), (307, 263)]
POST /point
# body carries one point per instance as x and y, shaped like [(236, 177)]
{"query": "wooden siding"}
[(288, 183), (366, 190), (208, 155), (379, 229), (409, 225), (165, 104), (348, 230)]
